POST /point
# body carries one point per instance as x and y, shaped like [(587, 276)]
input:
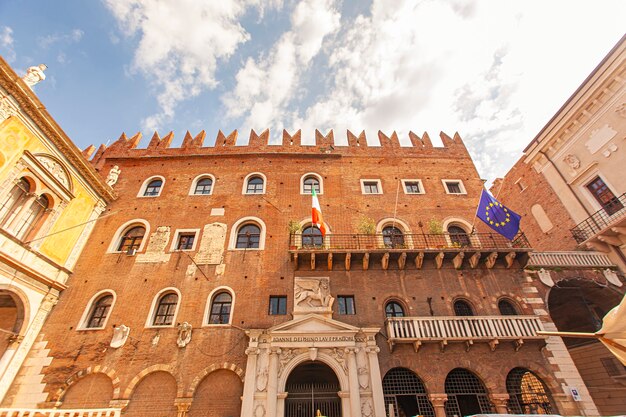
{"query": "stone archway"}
[(312, 387), (11, 318)]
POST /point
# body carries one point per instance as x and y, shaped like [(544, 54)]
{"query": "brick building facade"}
[(206, 291)]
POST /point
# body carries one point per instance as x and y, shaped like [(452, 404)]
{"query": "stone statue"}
[(120, 334), (184, 334), (114, 173), (34, 75), (313, 290)]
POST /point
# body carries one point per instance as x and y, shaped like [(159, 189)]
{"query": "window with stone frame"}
[(220, 308), (255, 185), (346, 304), (153, 189), (278, 305), (165, 310), (131, 239), (99, 311), (204, 186), (185, 241)]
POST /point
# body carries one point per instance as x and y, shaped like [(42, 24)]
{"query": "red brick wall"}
[(92, 391), (536, 191), (218, 395), (154, 397)]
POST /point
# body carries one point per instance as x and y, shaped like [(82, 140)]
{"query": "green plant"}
[(293, 226), (366, 226), (435, 227)]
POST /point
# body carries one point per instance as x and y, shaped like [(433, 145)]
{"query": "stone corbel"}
[(500, 401)]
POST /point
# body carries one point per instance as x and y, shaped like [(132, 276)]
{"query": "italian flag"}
[(316, 214)]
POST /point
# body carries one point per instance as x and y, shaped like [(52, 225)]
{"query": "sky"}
[(493, 70)]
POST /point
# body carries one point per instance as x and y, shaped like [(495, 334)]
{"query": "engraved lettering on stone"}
[(114, 174), (55, 169), (184, 334), (211, 250), (314, 292), (155, 252), (120, 334), (262, 372)]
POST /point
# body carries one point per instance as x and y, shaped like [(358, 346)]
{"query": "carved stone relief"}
[(184, 334), (362, 368), (6, 110), (211, 250), (312, 295), (599, 137), (114, 174), (120, 334), (259, 411), (155, 252), (339, 354), (366, 408), (55, 169), (286, 355), (621, 110), (262, 370)]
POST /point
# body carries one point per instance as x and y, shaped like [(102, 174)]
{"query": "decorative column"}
[(353, 377), (49, 220), (500, 401), (183, 405), (377, 381), (272, 382), (439, 404), (29, 338), (28, 202), (249, 384)]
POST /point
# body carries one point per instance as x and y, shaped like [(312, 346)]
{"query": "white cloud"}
[(6, 42), (265, 86), (181, 43), (73, 36)]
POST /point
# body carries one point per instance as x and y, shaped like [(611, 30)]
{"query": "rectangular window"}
[(185, 241), (346, 304), (454, 186), (371, 187), (278, 305), (412, 187), (603, 195)]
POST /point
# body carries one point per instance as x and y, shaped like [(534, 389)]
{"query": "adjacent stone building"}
[(49, 197), (570, 187), (206, 291)]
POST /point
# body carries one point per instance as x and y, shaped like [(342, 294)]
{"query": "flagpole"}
[(477, 206)]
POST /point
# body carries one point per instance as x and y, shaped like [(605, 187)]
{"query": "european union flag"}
[(498, 217)]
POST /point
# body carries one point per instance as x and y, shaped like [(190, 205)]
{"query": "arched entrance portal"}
[(466, 394), (312, 386), (11, 319)]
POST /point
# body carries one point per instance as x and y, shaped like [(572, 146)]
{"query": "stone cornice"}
[(32, 107)]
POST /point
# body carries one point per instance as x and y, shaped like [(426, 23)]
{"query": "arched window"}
[(312, 237), (153, 189), (527, 393), (131, 239), (220, 308), (255, 185), (204, 186), (311, 183), (393, 237), (463, 308), (165, 310), (32, 216), (507, 308), (99, 311), (406, 394), (13, 201), (394, 309), (466, 394), (248, 236), (458, 236)]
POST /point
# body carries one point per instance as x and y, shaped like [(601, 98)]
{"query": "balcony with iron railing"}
[(603, 222), (468, 330), (407, 249)]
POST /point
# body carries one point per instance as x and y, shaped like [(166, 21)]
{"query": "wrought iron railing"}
[(570, 259), (83, 412), (463, 328), (415, 241), (601, 219)]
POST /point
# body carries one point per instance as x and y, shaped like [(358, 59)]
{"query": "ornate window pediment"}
[(55, 169)]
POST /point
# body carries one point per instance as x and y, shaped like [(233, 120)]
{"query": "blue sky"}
[(493, 70)]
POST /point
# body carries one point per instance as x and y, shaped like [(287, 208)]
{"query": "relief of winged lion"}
[(313, 290)]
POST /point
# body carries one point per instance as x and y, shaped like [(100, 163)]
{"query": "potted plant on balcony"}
[(294, 227), (436, 228), (367, 227)]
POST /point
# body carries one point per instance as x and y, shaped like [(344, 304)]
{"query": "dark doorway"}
[(467, 394), (468, 404), (405, 393), (310, 387)]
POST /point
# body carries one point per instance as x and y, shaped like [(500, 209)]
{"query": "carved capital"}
[(438, 400)]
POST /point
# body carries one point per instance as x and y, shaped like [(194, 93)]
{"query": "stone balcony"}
[(605, 226), (84, 412), (407, 250), (468, 330), (571, 259)]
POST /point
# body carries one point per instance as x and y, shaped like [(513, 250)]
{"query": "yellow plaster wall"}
[(15, 138)]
